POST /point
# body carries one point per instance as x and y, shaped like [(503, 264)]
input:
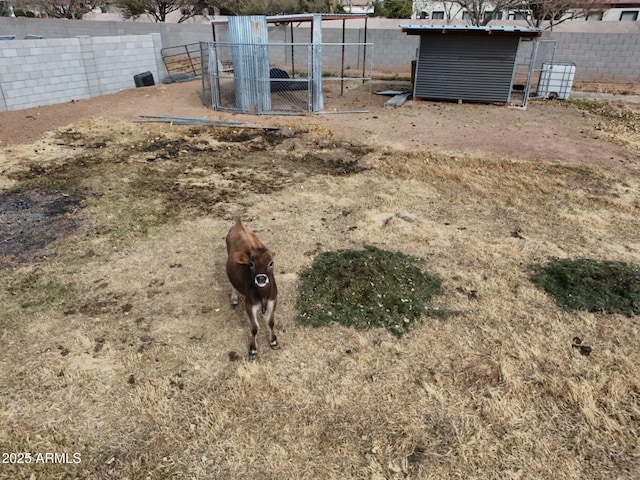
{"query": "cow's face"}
[(260, 263)]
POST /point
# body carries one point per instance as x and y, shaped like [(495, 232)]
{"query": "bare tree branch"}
[(272, 7), (71, 9), (537, 13), (158, 10), (554, 12)]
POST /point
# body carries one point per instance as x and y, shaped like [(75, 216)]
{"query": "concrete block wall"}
[(47, 71), (392, 54), (64, 28), (118, 59), (599, 57), (614, 57), (609, 53), (37, 73), (171, 34)]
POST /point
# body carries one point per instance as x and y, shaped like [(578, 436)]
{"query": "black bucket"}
[(144, 79)]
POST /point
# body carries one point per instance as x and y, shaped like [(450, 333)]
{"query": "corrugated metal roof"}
[(515, 31)]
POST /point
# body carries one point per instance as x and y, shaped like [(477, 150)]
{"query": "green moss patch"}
[(34, 290), (369, 288), (592, 285)]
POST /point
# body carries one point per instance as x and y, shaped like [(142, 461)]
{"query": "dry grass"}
[(613, 88), (132, 360), (619, 125)]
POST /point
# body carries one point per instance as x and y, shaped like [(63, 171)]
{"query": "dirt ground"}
[(119, 351), (546, 131)]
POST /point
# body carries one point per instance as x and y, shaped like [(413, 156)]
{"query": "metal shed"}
[(475, 64)]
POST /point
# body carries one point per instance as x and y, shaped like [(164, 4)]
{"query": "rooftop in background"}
[(471, 30)]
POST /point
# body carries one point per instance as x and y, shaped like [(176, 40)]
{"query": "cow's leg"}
[(234, 297), (252, 311), (270, 320)]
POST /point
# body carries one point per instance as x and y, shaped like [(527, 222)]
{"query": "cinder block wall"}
[(171, 34), (393, 51), (118, 59), (611, 57), (41, 72), (58, 70), (599, 56)]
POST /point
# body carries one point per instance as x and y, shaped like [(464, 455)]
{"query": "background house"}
[(358, 6), (616, 11), (452, 12)]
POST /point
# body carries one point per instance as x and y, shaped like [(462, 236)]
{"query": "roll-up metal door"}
[(470, 68)]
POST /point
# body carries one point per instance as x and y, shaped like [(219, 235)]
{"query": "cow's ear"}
[(241, 258)]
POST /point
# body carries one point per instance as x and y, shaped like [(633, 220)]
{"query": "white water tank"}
[(556, 80)]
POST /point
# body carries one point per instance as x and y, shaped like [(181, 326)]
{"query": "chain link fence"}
[(287, 78)]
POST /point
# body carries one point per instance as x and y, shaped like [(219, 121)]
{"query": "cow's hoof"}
[(253, 356), (275, 346), (234, 306)]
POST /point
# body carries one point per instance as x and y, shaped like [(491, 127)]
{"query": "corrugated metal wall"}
[(470, 68), (251, 62)]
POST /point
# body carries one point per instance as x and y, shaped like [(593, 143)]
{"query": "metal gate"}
[(182, 61)]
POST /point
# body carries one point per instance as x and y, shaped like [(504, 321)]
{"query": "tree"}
[(272, 7), (159, 9), (553, 12), (393, 8), (536, 12), (71, 9), (479, 12)]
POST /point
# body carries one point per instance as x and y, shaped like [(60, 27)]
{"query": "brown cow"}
[(250, 271)]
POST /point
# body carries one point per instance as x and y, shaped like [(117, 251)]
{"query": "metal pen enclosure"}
[(314, 86), (249, 74)]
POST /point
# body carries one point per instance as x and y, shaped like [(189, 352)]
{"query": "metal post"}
[(193, 67), (317, 102), (342, 62), (532, 63), (293, 64), (364, 58), (213, 70)]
